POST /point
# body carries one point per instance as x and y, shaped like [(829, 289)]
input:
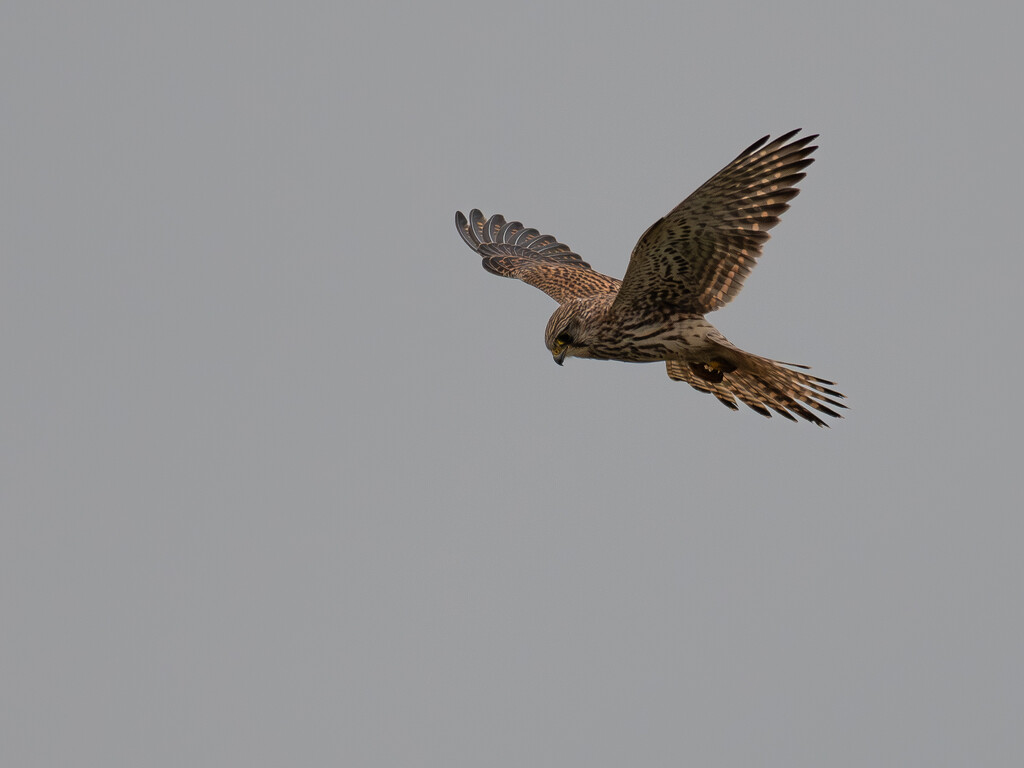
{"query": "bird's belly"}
[(677, 338)]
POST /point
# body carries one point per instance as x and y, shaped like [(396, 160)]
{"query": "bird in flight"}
[(687, 264)]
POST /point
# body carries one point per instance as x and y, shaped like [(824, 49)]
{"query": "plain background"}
[(288, 479)]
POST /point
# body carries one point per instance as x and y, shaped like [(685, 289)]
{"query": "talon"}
[(706, 372), (721, 364)]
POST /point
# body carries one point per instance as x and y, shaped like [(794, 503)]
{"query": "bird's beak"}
[(559, 356)]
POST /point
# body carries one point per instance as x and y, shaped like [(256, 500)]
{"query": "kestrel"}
[(687, 264)]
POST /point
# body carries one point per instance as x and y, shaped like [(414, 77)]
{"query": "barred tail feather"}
[(764, 385)]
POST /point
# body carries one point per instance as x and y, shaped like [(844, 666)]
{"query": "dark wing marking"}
[(696, 258), (764, 384), (511, 250)]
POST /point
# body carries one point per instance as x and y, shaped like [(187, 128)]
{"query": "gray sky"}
[(288, 479)]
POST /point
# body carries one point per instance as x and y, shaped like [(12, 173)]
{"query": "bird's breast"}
[(647, 341)]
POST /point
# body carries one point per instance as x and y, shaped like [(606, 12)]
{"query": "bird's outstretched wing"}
[(696, 258), (511, 250)]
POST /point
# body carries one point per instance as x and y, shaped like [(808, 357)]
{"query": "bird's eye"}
[(563, 339)]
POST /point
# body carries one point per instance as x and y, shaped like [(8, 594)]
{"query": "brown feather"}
[(696, 258)]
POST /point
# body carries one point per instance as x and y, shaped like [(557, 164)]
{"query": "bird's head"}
[(563, 336)]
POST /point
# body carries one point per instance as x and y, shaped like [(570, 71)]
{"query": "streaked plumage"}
[(688, 263)]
